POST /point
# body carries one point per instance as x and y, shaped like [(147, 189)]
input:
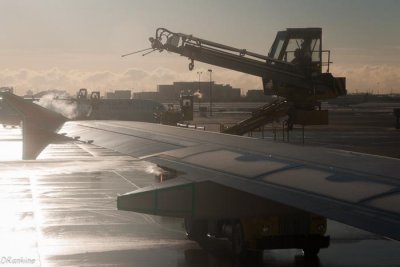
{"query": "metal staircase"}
[(264, 115)]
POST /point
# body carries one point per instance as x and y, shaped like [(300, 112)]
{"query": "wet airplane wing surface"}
[(357, 189), (61, 210)]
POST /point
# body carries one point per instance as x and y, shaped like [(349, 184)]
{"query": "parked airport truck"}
[(304, 231)]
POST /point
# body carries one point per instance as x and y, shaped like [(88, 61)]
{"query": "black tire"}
[(239, 247), (311, 252), (196, 230)]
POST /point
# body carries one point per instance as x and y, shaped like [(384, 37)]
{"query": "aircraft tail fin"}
[(39, 125)]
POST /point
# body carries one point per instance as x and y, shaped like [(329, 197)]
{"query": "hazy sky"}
[(71, 44)]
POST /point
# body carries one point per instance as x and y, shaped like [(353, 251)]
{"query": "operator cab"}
[(302, 48)]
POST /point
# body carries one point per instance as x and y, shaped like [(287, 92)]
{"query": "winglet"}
[(38, 125)]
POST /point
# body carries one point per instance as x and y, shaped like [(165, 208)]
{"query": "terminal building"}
[(257, 95), (170, 93), (220, 92), (119, 94), (147, 95)]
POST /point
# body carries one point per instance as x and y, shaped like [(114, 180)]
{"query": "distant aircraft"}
[(258, 194)]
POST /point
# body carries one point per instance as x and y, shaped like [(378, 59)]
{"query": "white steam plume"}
[(60, 103), (198, 94)]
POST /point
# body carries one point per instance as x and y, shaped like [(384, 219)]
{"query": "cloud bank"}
[(371, 78), (367, 78)]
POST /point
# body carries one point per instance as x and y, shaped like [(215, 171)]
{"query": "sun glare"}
[(10, 144), (10, 150)]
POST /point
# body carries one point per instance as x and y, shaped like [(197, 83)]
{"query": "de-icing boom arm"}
[(225, 56), (299, 80)]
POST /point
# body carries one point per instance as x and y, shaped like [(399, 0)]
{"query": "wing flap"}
[(175, 199), (205, 199)]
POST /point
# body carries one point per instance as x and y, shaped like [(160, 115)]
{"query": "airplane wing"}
[(232, 176), (211, 175)]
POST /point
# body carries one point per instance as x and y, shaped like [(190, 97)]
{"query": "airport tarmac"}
[(61, 211), (365, 128)]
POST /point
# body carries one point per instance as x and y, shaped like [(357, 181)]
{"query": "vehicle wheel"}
[(311, 252), (196, 230), (239, 247)]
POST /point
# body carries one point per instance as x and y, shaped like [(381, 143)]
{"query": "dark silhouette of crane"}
[(293, 69)]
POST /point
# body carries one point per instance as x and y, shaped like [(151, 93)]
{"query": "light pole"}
[(199, 95), (210, 71)]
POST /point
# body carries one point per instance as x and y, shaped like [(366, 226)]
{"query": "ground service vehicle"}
[(293, 70)]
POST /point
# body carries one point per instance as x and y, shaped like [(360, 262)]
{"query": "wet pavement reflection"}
[(61, 211)]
